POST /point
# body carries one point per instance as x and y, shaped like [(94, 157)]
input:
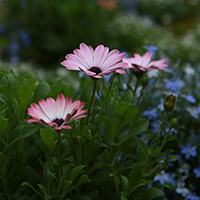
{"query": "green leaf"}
[(3, 124), (42, 188), (83, 179), (151, 193), (24, 93), (29, 185), (117, 183), (66, 185), (135, 175), (139, 126), (41, 91), (25, 132), (128, 96), (75, 172), (48, 136)]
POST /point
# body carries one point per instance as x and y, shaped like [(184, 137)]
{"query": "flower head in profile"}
[(142, 63), (95, 62), (56, 114)]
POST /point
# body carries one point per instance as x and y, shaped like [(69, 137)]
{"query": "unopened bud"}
[(169, 102), (144, 80)]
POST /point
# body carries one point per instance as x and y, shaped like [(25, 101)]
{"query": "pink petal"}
[(87, 54), (46, 109), (100, 54), (60, 105), (146, 58), (37, 113), (34, 121), (70, 65), (51, 107), (111, 60), (89, 73), (120, 71), (67, 127)]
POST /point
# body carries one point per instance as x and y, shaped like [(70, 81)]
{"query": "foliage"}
[(107, 159)]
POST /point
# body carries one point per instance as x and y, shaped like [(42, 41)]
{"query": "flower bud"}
[(169, 102)]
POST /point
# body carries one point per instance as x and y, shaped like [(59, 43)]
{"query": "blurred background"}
[(42, 32)]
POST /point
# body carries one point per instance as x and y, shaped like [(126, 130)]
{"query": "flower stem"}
[(136, 87), (58, 157), (141, 93), (161, 129), (109, 89), (91, 101)]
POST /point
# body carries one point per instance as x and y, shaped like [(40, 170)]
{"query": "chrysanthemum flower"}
[(56, 113), (142, 63), (95, 63)]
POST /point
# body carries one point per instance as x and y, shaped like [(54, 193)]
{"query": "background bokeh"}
[(43, 31)]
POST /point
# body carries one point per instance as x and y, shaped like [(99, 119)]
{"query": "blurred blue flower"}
[(174, 85), (2, 29), (182, 190), (25, 37), (150, 113), (151, 48), (81, 74), (165, 178), (198, 109), (13, 46), (193, 112), (190, 98), (188, 151), (197, 172), (155, 126), (14, 59), (23, 3), (192, 197), (107, 77)]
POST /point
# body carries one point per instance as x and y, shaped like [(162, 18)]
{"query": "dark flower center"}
[(96, 70), (58, 121)]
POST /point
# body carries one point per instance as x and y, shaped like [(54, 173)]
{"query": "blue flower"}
[(150, 113), (198, 109), (165, 178), (189, 151), (192, 197), (25, 37), (2, 29), (197, 172), (151, 48), (155, 126), (190, 98), (174, 85), (107, 77)]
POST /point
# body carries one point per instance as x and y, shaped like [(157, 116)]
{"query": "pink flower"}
[(56, 113), (142, 63), (95, 63)]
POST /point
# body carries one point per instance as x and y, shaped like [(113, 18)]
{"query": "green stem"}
[(164, 140), (161, 128), (109, 89), (91, 101), (136, 87), (58, 157), (141, 93), (4, 182)]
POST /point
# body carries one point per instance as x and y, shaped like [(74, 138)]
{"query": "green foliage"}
[(106, 159)]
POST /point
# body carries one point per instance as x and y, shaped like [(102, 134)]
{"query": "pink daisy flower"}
[(95, 63), (56, 113), (142, 63)]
